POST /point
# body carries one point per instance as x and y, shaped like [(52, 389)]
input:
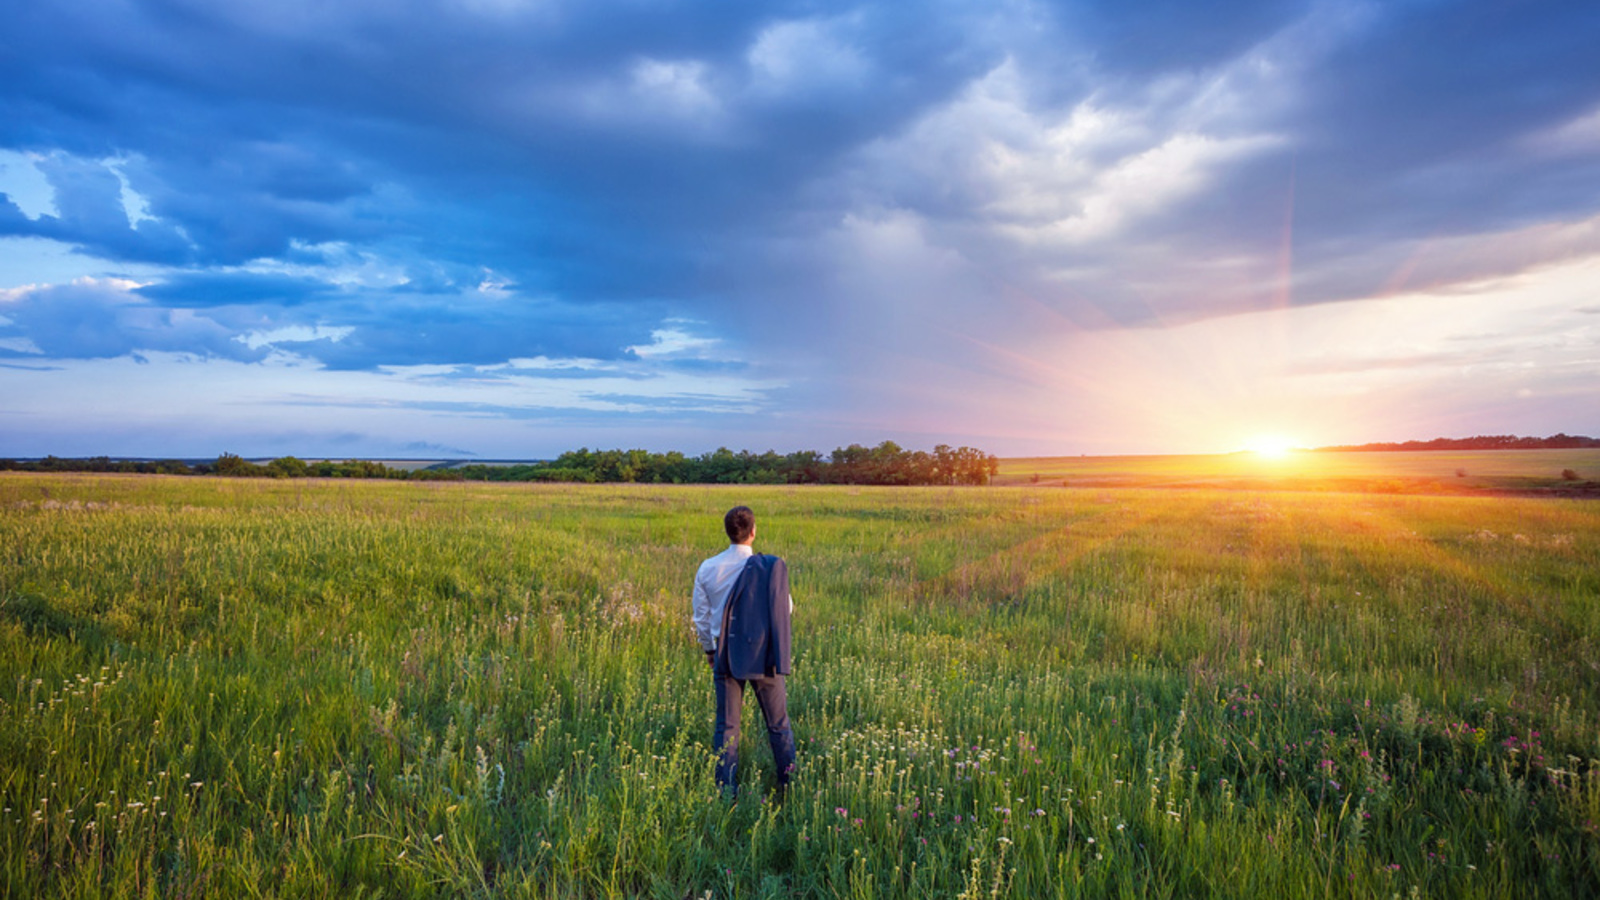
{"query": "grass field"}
[(222, 688), (1458, 471)]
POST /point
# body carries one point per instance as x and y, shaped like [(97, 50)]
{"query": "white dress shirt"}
[(712, 584)]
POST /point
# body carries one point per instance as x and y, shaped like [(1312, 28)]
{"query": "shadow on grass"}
[(38, 618)]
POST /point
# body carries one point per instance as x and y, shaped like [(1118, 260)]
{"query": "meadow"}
[(279, 688), (1482, 472)]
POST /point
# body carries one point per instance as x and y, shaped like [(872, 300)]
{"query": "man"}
[(741, 615)]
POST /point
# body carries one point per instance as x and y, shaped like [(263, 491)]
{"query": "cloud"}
[(427, 447), (201, 290), (852, 209), (91, 212), (104, 318), (807, 57), (243, 315)]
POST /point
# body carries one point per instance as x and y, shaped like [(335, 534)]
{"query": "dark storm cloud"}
[(565, 151), (200, 290), (241, 115), (468, 331)]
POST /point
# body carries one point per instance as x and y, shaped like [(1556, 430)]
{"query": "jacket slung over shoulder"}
[(755, 623)]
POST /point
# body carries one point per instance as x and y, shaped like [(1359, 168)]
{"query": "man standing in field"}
[(741, 615)]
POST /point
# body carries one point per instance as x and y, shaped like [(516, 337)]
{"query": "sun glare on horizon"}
[(1270, 446)]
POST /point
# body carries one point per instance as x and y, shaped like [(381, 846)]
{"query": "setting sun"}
[(1270, 446)]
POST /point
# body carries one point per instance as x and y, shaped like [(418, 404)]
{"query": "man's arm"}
[(704, 628)]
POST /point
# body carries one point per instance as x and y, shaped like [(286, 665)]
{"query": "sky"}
[(508, 228)]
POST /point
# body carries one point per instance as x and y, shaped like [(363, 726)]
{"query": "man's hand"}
[(711, 658)]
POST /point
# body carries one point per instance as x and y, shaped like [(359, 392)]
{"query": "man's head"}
[(740, 523)]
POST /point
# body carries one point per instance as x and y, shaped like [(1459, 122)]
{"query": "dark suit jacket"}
[(755, 623)]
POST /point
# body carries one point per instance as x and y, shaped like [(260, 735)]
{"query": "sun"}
[(1270, 446)]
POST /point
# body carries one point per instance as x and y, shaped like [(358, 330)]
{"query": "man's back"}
[(755, 630), (712, 583)]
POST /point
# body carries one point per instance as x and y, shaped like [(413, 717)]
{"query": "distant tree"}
[(287, 467), (232, 466), (433, 474), (885, 464)]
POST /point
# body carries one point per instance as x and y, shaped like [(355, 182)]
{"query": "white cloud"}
[(673, 341), (19, 344), (294, 334), (1143, 185), (676, 86), (493, 284), (115, 289), (1085, 173), (803, 56)]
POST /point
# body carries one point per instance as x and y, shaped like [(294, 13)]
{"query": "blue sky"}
[(506, 228)]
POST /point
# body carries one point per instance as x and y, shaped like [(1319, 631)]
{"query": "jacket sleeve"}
[(704, 628), (781, 603)]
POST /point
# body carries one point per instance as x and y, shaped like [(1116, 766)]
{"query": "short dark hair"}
[(740, 523)]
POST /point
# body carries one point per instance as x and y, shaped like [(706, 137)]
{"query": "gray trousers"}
[(774, 700)]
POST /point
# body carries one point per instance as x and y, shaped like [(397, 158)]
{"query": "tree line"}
[(887, 463), (1481, 442), (227, 464)]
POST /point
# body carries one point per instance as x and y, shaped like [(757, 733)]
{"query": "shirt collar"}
[(742, 549)]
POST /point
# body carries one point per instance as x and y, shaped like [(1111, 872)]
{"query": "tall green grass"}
[(248, 688)]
